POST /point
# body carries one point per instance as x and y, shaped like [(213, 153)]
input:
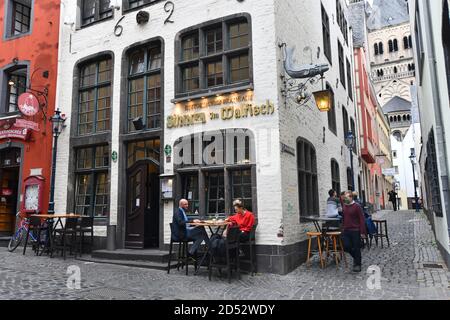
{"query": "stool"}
[(317, 235), (336, 239), (380, 232)]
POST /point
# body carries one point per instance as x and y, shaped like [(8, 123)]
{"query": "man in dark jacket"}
[(183, 230), (393, 198), (354, 229)]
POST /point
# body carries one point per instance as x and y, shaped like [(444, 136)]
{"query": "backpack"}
[(371, 227)]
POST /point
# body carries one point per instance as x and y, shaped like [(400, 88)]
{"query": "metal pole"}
[(415, 188), (51, 204), (351, 164)]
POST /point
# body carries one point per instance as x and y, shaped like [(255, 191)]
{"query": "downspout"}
[(440, 130)]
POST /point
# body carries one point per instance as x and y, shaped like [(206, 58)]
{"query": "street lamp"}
[(57, 126), (412, 157), (350, 143)]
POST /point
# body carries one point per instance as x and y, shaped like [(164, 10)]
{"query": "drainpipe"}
[(440, 130)]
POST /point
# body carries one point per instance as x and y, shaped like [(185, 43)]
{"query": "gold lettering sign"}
[(244, 110)]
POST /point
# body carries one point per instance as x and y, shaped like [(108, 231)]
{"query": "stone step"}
[(132, 263), (4, 241), (148, 255)]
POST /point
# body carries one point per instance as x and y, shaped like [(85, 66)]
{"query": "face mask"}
[(347, 201)]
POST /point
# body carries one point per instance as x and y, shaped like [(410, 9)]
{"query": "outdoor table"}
[(317, 219), (52, 226), (219, 224)]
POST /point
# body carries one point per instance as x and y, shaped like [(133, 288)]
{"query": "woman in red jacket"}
[(243, 218)]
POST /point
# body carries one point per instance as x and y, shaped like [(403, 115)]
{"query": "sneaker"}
[(356, 268)]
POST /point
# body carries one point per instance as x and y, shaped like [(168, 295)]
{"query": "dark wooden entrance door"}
[(142, 217)]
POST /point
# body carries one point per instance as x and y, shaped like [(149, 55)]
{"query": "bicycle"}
[(22, 226)]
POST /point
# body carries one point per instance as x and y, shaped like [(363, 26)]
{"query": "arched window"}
[(404, 117), (395, 70), (410, 42), (408, 117), (391, 46), (335, 176), (405, 43), (380, 48), (395, 45), (375, 48), (308, 188), (397, 135)]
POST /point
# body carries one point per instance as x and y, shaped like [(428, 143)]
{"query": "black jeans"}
[(198, 235), (352, 245), (394, 204)]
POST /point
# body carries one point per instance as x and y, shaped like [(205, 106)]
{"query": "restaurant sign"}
[(13, 132), (28, 104), (240, 111), (22, 123)]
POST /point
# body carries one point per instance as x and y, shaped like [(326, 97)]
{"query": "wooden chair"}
[(334, 240), (69, 231), (86, 226), (318, 236)]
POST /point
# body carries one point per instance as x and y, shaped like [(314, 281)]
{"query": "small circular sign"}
[(114, 156), (168, 150), (28, 104)]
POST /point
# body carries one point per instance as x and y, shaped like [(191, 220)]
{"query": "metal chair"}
[(86, 226), (251, 243), (182, 257), (231, 246), (69, 231), (35, 226)]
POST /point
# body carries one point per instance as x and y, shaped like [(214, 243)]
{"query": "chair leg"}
[(210, 267), (238, 267), (308, 262), (335, 252), (170, 256), (26, 241), (320, 252), (387, 236), (38, 240), (228, 265), (180, 248), (186, 256)]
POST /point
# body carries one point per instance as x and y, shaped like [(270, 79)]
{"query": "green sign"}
[(114, 156), (168, 150)]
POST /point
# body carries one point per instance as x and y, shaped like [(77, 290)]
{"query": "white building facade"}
[(169, 100), (431, 22)]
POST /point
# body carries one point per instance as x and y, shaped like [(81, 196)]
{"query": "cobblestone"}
[(403, 275)]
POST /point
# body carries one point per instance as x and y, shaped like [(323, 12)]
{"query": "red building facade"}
[(29, 31), (368, 132)]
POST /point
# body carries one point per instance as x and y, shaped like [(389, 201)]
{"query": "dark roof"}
[(397, 104), (356, 14), (386, 13)]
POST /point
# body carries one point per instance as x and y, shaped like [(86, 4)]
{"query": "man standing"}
[(393, 199), (184, 231), (354, 229)]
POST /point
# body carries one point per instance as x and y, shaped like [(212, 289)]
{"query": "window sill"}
[(128, 10), (84, 26), (15, 37), (206, 93)]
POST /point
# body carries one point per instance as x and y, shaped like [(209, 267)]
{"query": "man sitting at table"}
[(243, 219), (189, 233)]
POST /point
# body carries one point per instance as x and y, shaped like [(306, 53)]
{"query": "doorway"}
[(10, 160)]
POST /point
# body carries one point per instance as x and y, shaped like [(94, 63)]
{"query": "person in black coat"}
[(183, 231), (393, 198)]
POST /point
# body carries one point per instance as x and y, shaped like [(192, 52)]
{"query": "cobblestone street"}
[(404, 275)]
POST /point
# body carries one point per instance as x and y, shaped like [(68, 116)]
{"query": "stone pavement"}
[(403, 275)]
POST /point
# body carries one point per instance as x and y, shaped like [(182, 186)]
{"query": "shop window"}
[(95, 10), (332, 113), (335, 176), (190, 192), (16, 85), (19, 15), (94, 111), (215, 193), (92, 181), (144, 87), (326, 35), (241, 187), (214, 56), (307, 178)]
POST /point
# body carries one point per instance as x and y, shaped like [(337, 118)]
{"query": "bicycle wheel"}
[(17, 237)]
